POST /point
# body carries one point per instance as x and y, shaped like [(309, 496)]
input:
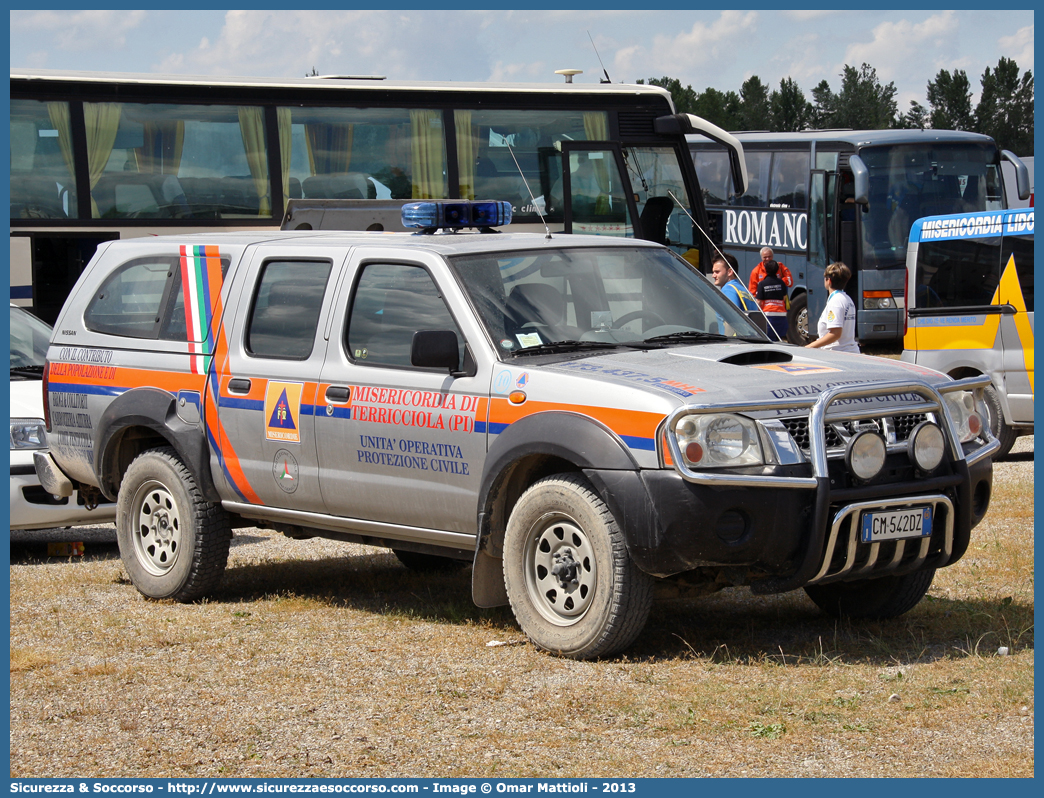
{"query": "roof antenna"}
[(599, 60), (536, 207)]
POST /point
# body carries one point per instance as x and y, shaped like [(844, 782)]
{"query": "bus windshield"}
[(911, 181)]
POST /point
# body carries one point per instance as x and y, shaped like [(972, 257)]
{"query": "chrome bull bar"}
[(821, 410), (851, 515)]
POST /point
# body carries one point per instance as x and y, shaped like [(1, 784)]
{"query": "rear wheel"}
[(797, 321), (572, 585), (173, 542), (885, 597), (1001, 431)]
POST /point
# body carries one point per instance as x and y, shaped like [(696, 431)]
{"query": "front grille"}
[(896, 429)]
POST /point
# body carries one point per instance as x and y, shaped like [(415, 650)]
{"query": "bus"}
[(969, 308), (102, 156), (851, 195)]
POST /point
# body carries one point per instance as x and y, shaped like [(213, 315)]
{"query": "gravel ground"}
[(320, 658)]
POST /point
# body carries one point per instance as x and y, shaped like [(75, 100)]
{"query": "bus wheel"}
[(1001, 431), (797, 321), (877, 599)]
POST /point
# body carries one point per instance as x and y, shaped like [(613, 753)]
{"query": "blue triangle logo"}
[(281, 417)]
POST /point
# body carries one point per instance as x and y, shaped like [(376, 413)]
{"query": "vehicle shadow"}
[(733, 626)]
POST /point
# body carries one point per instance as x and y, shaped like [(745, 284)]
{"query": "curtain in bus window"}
[(160, 153), (426, 149), (252, 127), (285, 149), (102, 120), (329, 147), (467, 153), (59, 116), (597, 129)]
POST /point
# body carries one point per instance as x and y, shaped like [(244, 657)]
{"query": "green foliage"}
[(1005, 109)]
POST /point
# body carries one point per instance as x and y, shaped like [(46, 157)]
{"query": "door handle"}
[(338, 393), (239, 385)]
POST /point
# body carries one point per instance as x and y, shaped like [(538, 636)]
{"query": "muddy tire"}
[(571, 583), (173, 542), (878, 599)]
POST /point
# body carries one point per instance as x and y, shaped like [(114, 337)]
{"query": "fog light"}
[(927, 446), (865, 456)]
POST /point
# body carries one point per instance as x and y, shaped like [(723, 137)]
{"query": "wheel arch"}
[(141, 419), (527, 451)]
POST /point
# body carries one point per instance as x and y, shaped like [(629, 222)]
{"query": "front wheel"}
[(571, 583), (797, 321), (173, 542), (878, 599)]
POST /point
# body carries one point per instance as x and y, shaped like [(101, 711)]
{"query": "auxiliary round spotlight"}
[(926, 446), (865, 456)]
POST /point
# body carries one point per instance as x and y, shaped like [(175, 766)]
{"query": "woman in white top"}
[(837, 323)]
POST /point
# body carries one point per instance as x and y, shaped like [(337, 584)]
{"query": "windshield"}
[(29, 338), (911, 181), (611, 295)]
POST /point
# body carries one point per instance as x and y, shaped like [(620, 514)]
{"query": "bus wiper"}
[(565, 346), (687, 335), (27, 371)]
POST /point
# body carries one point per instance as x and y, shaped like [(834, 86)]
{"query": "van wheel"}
[(173, 542), (797, 321), (885, 597), (571, 583), (428, 563), (1001, 431)]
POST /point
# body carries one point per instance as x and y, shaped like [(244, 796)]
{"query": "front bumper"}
[(33, 507)]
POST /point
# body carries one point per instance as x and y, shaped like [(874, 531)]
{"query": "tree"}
[(950, 99), (915, 118), (789, 109), (721, 108), (1005, 109), (754, 105), (863, 103), (684, 98), (823, 102)]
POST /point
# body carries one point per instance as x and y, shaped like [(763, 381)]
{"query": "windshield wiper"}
[(27, 371), (687, 335), (565, 346)]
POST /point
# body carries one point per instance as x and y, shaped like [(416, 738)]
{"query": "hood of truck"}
[(728, 373)]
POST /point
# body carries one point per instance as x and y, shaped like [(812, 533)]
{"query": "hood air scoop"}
[(757, 357)]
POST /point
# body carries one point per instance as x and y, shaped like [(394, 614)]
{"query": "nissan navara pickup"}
[(579, 417)]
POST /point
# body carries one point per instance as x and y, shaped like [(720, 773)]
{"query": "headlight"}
[(715, 441), (961, 407), (28, 433), (926, 446), (875, 303)]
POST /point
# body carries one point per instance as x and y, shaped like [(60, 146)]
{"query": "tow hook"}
[(565, 568)]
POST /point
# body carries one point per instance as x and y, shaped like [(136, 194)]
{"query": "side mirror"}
[(435, 349), (860, 181), (1022, 181)]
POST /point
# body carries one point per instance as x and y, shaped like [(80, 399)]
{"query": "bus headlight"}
[(878, 300), (961, 407), (716, 441)]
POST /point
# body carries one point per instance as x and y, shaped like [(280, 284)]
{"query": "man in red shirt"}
[(759, 272)]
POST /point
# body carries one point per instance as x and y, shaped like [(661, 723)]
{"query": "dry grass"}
[(325, 659)]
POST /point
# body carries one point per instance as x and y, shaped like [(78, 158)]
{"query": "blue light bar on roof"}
[(455, 214)]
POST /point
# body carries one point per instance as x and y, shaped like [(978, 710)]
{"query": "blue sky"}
[(701, 48)]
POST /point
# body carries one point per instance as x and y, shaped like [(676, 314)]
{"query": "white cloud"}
[(1019, 47), (807, 16), (895, 46), (731, 33), (79, 30)]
